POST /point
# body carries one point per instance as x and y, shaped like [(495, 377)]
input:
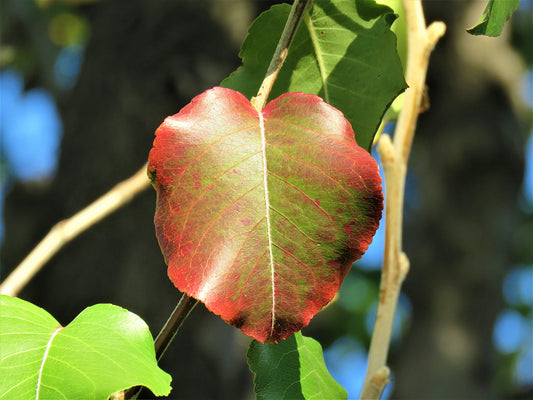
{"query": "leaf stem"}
[(280, 53), (394, 156), (166, 335), (66, 230), (173, 324)]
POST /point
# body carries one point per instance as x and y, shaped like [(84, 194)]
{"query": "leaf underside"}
[(494, 17), (103, 350), (292, 370), (343, 51), (260, 215)]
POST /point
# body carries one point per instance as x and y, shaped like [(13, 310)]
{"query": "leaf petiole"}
[(167, 334), (280, 54)]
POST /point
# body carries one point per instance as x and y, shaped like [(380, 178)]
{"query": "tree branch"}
[(66, 230), (394, 157)]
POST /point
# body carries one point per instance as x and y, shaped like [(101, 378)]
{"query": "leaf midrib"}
[(267, 216), (45, 356), (318, 53)]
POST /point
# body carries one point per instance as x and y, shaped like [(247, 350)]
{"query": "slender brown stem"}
[(166, 335), (66, 230), (173, 324), (394, 156), (280, 54)]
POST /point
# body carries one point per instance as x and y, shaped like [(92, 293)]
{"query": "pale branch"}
[(280, 53), (394, 156), (66, 230)]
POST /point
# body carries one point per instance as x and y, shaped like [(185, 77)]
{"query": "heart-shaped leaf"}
[(293, 369), (260, 215), (103, 350)]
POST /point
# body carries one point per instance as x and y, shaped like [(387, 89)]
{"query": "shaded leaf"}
[(103, 350), (399, 27), (343, 51), (293, 369), (496, 14), (260, 215)]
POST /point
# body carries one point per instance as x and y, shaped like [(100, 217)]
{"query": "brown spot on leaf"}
[(348, 230), (283, 329), (237, 322)]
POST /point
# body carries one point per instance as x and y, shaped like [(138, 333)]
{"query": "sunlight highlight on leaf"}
[(103, 350)]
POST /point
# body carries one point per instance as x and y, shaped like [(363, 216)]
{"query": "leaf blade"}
[(263, 248), (292, 369), (494, 17), (76, 361)]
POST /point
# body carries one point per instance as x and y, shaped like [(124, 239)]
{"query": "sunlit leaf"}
[(260, 215), (103, 350), (343, 51), (496, 14), (292, 370)]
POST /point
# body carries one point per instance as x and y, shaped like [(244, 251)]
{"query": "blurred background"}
[(85, 83)]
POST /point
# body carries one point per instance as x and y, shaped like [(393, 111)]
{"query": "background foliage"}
[(112, 73)]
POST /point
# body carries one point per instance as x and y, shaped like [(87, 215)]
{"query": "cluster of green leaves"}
[(345, 52)]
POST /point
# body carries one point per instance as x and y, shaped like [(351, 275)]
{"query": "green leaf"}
[(293, 369), (399, 27), (494, 17), (343, 51), (103, 350)]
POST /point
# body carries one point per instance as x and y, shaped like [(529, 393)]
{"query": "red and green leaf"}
[(260, 215)]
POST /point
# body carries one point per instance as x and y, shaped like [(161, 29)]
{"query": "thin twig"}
[(66, 230), (280, 54), (174, 322), (394, 156), (166, 335)]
